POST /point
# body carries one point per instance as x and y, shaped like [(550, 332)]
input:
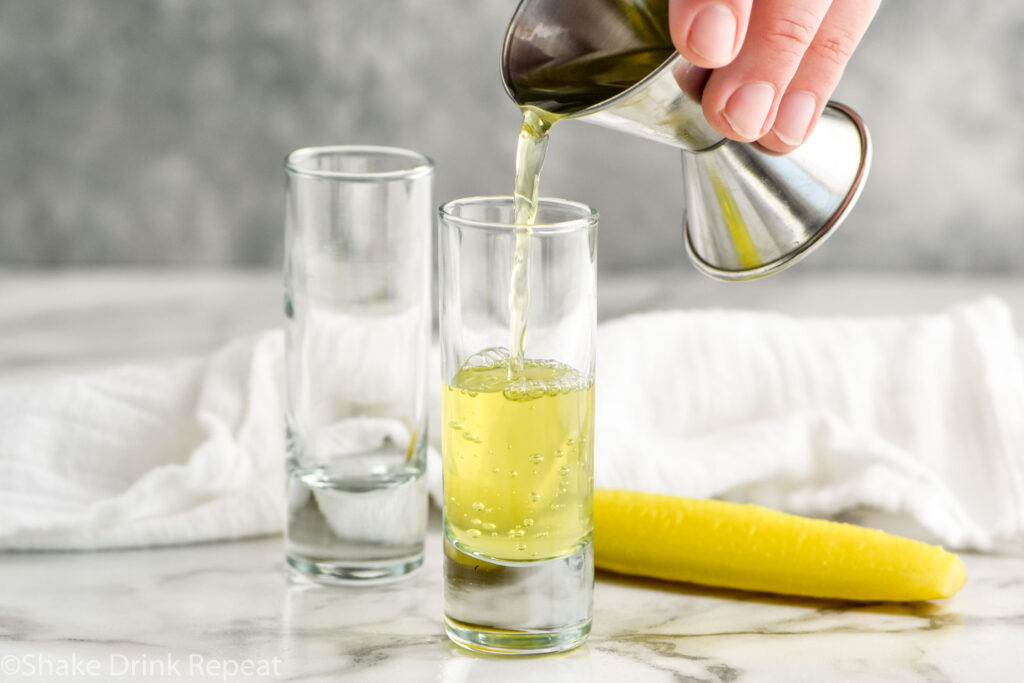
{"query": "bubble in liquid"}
[(534, 496), (559, 453), (564, 471), (528, 522), (557, 506), (475, 521), (478, 506), (497, 470), (536, 472), (520, 546), (475, 533), (514, 474), (542, 534), (536, 458), (456, 425), (470, 436), (451, 499), (494, 533), (513, 393), (489, 526)]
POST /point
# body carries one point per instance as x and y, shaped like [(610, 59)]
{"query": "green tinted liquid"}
[(555, 91)]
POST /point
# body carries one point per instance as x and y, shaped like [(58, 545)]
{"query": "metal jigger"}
[(749, 212)]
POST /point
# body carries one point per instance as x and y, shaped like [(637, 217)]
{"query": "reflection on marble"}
[(228, 604), (235, 602)]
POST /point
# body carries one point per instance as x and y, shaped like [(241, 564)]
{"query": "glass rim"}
[(420, 164), (587, 219)]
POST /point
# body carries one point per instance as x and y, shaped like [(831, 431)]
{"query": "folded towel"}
[(920, 419)]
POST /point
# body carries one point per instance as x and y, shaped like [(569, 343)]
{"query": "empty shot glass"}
[(517, 428), (357, 269)]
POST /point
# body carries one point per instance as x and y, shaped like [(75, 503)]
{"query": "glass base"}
[(515, 642), (359, 573), (524, 608), (355, 530)]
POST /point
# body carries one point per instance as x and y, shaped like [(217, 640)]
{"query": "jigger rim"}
[(820, 235), (603, 104)]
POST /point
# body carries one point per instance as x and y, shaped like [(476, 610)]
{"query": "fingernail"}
[(794, 118), (748, 107), (713, 33)]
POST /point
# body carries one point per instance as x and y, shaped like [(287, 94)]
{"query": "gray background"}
[(152, 131)]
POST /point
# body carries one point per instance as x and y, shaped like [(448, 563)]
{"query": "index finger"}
[(708, 33)]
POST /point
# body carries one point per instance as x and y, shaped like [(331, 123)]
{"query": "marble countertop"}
[(227, 611)]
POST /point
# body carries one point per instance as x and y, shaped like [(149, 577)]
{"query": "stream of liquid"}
[(554, 92), (530, 151)]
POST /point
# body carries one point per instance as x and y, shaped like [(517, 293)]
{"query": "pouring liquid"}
[(554, 92), (517, 435), (530, 151), (516, 447)]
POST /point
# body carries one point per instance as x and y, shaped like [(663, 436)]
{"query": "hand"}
[(775, 62)]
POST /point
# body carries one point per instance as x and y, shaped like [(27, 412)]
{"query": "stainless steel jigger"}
[(749, 212)]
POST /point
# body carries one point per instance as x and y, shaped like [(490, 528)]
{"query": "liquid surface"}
[(518, 467), (620, 57), (570, 86)]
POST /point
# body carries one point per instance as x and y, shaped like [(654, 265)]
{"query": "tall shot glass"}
[(357, 267), (517, 444)]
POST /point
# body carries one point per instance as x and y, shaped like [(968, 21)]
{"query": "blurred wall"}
[(152, 131)]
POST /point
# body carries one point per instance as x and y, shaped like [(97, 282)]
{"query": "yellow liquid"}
[(567, 86), (530, 150), (518, 459)]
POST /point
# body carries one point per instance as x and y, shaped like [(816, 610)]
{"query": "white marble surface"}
[(232, 602), (207, 612)]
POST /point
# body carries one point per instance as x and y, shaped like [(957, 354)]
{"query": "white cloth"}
[(143, 455), (921, 418), (918, 418)]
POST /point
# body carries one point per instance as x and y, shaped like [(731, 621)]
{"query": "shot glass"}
[(357, 269), (517, 439)]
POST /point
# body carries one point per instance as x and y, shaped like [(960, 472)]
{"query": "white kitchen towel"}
[(143, 455), (919, 418)]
